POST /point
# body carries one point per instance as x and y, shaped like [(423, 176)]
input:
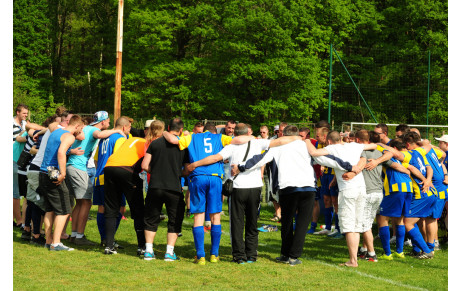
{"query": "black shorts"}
[(175, 207), (22, 183), (56, 197)]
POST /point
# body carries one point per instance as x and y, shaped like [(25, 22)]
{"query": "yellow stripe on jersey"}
[(439, 153), (404, 187), (423, 153), (101, 180), (407, 157), (381, 149), (226, 140), (184, 141), (442, 194)]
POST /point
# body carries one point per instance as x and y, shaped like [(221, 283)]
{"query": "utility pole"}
[(117, 101)]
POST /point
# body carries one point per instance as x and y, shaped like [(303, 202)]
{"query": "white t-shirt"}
[(235, 155), (348, 152)]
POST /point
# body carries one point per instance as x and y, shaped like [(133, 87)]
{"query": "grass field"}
[(87, 268)]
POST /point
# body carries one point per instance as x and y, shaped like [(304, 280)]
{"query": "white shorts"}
[(78, 183), (371, 206), (351, 209)]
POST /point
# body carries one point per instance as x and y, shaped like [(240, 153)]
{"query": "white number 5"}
[(207, 146)]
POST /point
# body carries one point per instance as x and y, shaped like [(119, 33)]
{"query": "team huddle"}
[(67, 164)]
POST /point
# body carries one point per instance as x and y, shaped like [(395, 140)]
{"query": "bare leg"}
[(198, 219), (59, 223), (368, 240), (421, 226), (172, 237), (315, 212), (149, 236), (431, 229), (48, 220), (24, 208), (352, 244), (277, 209), (17, 210), (83, 215), (215, 218), (75, 215)]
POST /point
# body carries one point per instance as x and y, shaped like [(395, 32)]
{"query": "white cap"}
[(277, 127), (148, 122), (442, 138)]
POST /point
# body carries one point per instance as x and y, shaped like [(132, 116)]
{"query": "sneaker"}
[(323, 232), (179, 234), (437, 247), (206, 228), (213, 259), (47, 246), (148, 256), (26, 235), (83, 241), (333, 233), (371, 258), (251, 260), (283, 259), (423, 255), (140, 252), (110, 251), (393, 240), (171, 258), (294, 262), (40, 241), (60, 247), (398, 255), (239, 261), (387, 258), (362, 254), (338, 235), (201, 261), (408, 242)]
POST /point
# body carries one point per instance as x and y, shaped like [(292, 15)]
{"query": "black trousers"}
[(36, 215), (244, 203), (301, 202), (119, 181), (175, 207)]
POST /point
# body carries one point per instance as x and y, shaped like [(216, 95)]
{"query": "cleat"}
[(213, 259), (294, 262), (47, 246), (61, 247), (424, 256), (201, 261), (26, 235), (171, 258), (149, 256), (140, 252), (83, 241), (371, 258), (283, 259), (323, 232), (399, 255), (311, 231), (40, 241), (110, 251), (408, 242), (387, 258), (333, 233), (362, 255), (393, 240), (437, 247)]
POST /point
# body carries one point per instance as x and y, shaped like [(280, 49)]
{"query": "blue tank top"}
[(52, 147)]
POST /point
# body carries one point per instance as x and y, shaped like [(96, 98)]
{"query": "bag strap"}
[(245, 156)]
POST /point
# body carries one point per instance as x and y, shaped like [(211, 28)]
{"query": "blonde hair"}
[(155, 130)]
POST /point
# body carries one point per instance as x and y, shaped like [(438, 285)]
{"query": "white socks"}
[(149, 248), (170, 249)]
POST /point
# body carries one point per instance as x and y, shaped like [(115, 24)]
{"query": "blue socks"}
[(216, 233), (100, 219), (337, 222), (313, 225), (384, 233), (400, 233), (430, 246), (417, 240), (198, 238), (328, 217)]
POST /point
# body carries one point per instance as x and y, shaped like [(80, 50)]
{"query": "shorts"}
[(56, 197), (99, 194), (32, 189), (318, 194), (91, 175), (438, 208), (397, 204), (371, 206), (175, 207), (422, 207), (325, 181), (205, 194), (22, 182), (15, 181), (351, 209), (79, 184)]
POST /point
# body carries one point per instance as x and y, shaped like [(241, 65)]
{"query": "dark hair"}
[(21, 106), (322, 123), (410, 137), (383, 126), (61, 109), (403, 127), (198, 124), (176, 124), (210, 127), (88, 119), (231, 121), (397, 143), (49, 120), (290, 130), (306, 129), (352, 134), (334, 136), (363, 135), (374, 137), (64, 114), (241, 129)]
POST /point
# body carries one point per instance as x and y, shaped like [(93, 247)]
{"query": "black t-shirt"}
[(166, 165)]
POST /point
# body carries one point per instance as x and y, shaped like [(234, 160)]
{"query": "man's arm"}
[(400, 168), (146, 162), (242, 139), (100, 134), (67, 140), (34, 126), (333, 162), (204, 162), (416, 173), (396, 154), (356, 169), (374, 163), (370, 147), (283, 140), (444, 169), (314, 152), (21, 138), (171, 138)]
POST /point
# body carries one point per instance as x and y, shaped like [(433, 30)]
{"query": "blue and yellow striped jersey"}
[(420, 162), (202, 145), (106, 148), (396, 181)]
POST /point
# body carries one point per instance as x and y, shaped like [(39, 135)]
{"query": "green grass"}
[(87, 268)]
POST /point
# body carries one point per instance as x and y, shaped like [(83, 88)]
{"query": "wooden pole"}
[(117, 101)]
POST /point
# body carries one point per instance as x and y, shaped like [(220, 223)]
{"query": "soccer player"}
[(205, 186), (382, 130), (402, 129), (444, 145)]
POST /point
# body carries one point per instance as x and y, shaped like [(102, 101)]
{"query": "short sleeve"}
[(407, 157), (184, 141), (226, 152), (226, 140), (439, 153)]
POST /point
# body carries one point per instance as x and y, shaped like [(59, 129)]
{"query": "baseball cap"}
[(99, 117), (442, 138), (277, 127), (148, 122)]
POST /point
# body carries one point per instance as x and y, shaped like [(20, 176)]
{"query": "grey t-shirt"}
[(373, 178)]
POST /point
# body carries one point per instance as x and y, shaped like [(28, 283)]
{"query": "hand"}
[(322, 169), (77, 151), (355, 169), (348, 176), (121, 132), (190, 167), (35, 137), (426, 185), (445, 180), (371, 164), (235, 170), (59, 179)]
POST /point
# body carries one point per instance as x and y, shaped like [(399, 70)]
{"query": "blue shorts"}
[(205, 194), (325, 181), (91, 174), (438, 208), (422, 207), (396, 204), (318, 194), (99, 194)]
